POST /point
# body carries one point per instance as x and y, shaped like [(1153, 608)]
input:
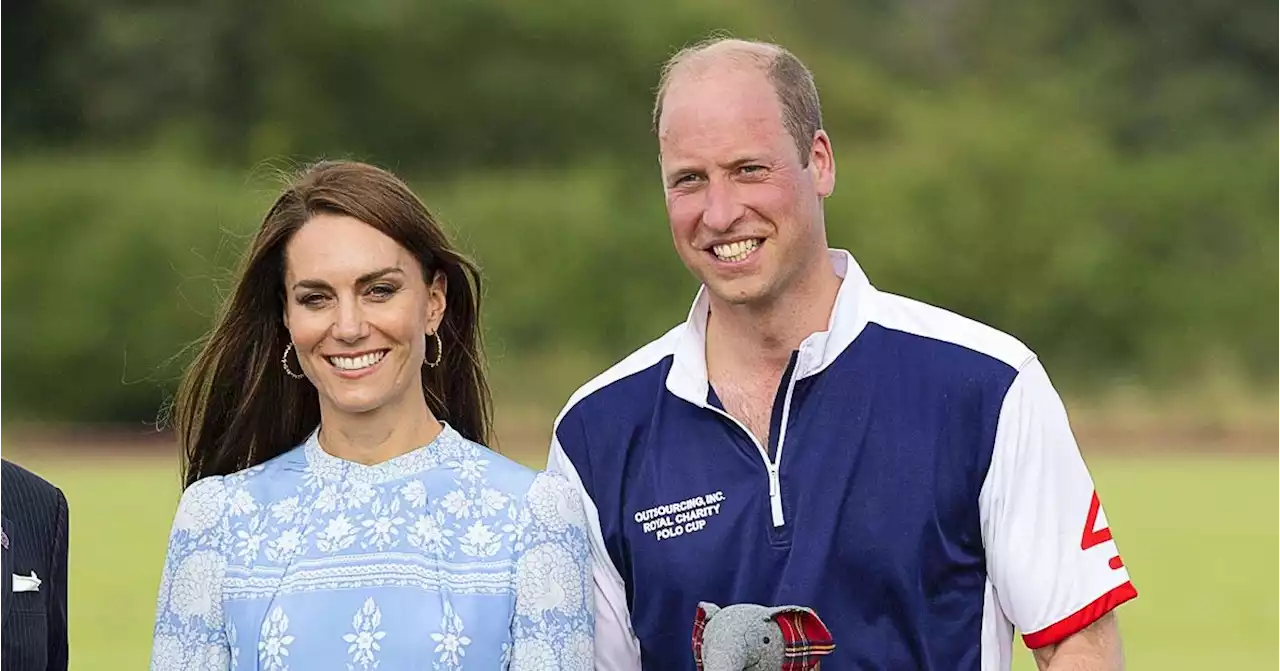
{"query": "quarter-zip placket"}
[(772, 466)]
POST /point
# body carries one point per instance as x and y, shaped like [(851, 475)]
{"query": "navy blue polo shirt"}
[(921, 491)]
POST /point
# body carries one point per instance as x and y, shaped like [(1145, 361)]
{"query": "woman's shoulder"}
[(515, 478), (202, 506), (208, 488), (501, 471), (548, 494), (217, 490)]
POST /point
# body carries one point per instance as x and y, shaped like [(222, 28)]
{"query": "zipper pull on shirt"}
[(775, 495)]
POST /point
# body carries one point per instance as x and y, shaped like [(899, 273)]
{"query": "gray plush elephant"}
[(750, 637)]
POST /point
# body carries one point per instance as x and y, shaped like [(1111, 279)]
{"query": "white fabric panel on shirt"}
[(1035, 506)]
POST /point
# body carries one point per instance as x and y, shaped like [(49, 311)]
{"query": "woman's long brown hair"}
[(236, 408)]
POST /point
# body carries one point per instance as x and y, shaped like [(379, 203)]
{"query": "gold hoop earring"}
[(284, 361), (439, 352)]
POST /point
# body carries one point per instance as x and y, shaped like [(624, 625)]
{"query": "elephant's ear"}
[(704, 613), (805, 638)]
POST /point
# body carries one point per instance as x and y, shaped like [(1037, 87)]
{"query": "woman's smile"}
[(357, 364)]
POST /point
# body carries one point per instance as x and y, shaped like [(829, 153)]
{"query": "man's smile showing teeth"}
[(736, 251), (357, 362)]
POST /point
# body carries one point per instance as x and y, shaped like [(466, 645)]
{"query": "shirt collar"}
[(688, 376)]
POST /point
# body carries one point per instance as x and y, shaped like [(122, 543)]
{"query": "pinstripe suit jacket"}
[(34, 513)]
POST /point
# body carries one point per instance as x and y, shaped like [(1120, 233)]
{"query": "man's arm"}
[(1097, 646), (1055, 567), (58, 593)]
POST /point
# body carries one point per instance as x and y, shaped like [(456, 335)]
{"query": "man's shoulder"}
[(918, 318), (26, 484), (648, 358)]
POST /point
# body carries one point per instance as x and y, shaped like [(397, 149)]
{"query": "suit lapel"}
[(6, 566)]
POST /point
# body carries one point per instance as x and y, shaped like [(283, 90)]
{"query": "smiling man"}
[(804, 438)]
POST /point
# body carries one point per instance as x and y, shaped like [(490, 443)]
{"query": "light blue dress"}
[(447, 557)]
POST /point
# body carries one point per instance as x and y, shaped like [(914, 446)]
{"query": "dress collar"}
[(331, 468)]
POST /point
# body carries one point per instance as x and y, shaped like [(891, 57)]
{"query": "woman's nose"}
[(350, 324)]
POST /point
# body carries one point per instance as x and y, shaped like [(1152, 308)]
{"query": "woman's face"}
[(358, 311)]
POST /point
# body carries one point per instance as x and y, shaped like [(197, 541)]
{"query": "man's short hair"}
[(791, 79)]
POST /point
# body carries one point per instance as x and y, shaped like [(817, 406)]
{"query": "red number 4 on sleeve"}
[(1096, 536)]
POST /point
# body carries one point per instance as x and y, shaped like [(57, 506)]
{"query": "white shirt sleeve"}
[(616, 646), (1051, 559)]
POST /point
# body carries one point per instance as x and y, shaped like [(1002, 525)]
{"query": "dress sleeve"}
[(189, 630), (616, 645), (1052, 559), (554, 617)]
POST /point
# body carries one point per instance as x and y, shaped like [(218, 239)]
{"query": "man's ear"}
[(822, 161)]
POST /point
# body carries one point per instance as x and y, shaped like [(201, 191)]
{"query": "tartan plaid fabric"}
[(807, 639), (699, 625)]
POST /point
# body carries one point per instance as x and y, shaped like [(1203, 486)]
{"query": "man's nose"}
[(723, 206), (349, 324)]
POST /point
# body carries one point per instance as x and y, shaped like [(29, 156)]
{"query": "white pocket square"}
[(26, 583)]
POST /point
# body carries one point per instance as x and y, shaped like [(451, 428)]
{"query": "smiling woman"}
[(341, 501), (359, 333), (347, 262)]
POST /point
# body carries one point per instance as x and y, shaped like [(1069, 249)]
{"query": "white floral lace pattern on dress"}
[(450, 553)]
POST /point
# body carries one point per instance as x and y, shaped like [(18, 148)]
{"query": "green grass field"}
[(1198, 534)]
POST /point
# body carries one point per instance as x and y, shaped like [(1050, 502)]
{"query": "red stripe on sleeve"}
[(1082, 618)]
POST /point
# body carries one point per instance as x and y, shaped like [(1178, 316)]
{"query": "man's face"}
[(745, 213)]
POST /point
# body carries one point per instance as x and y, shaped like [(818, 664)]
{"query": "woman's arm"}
[(554, 622), (189, 629)]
